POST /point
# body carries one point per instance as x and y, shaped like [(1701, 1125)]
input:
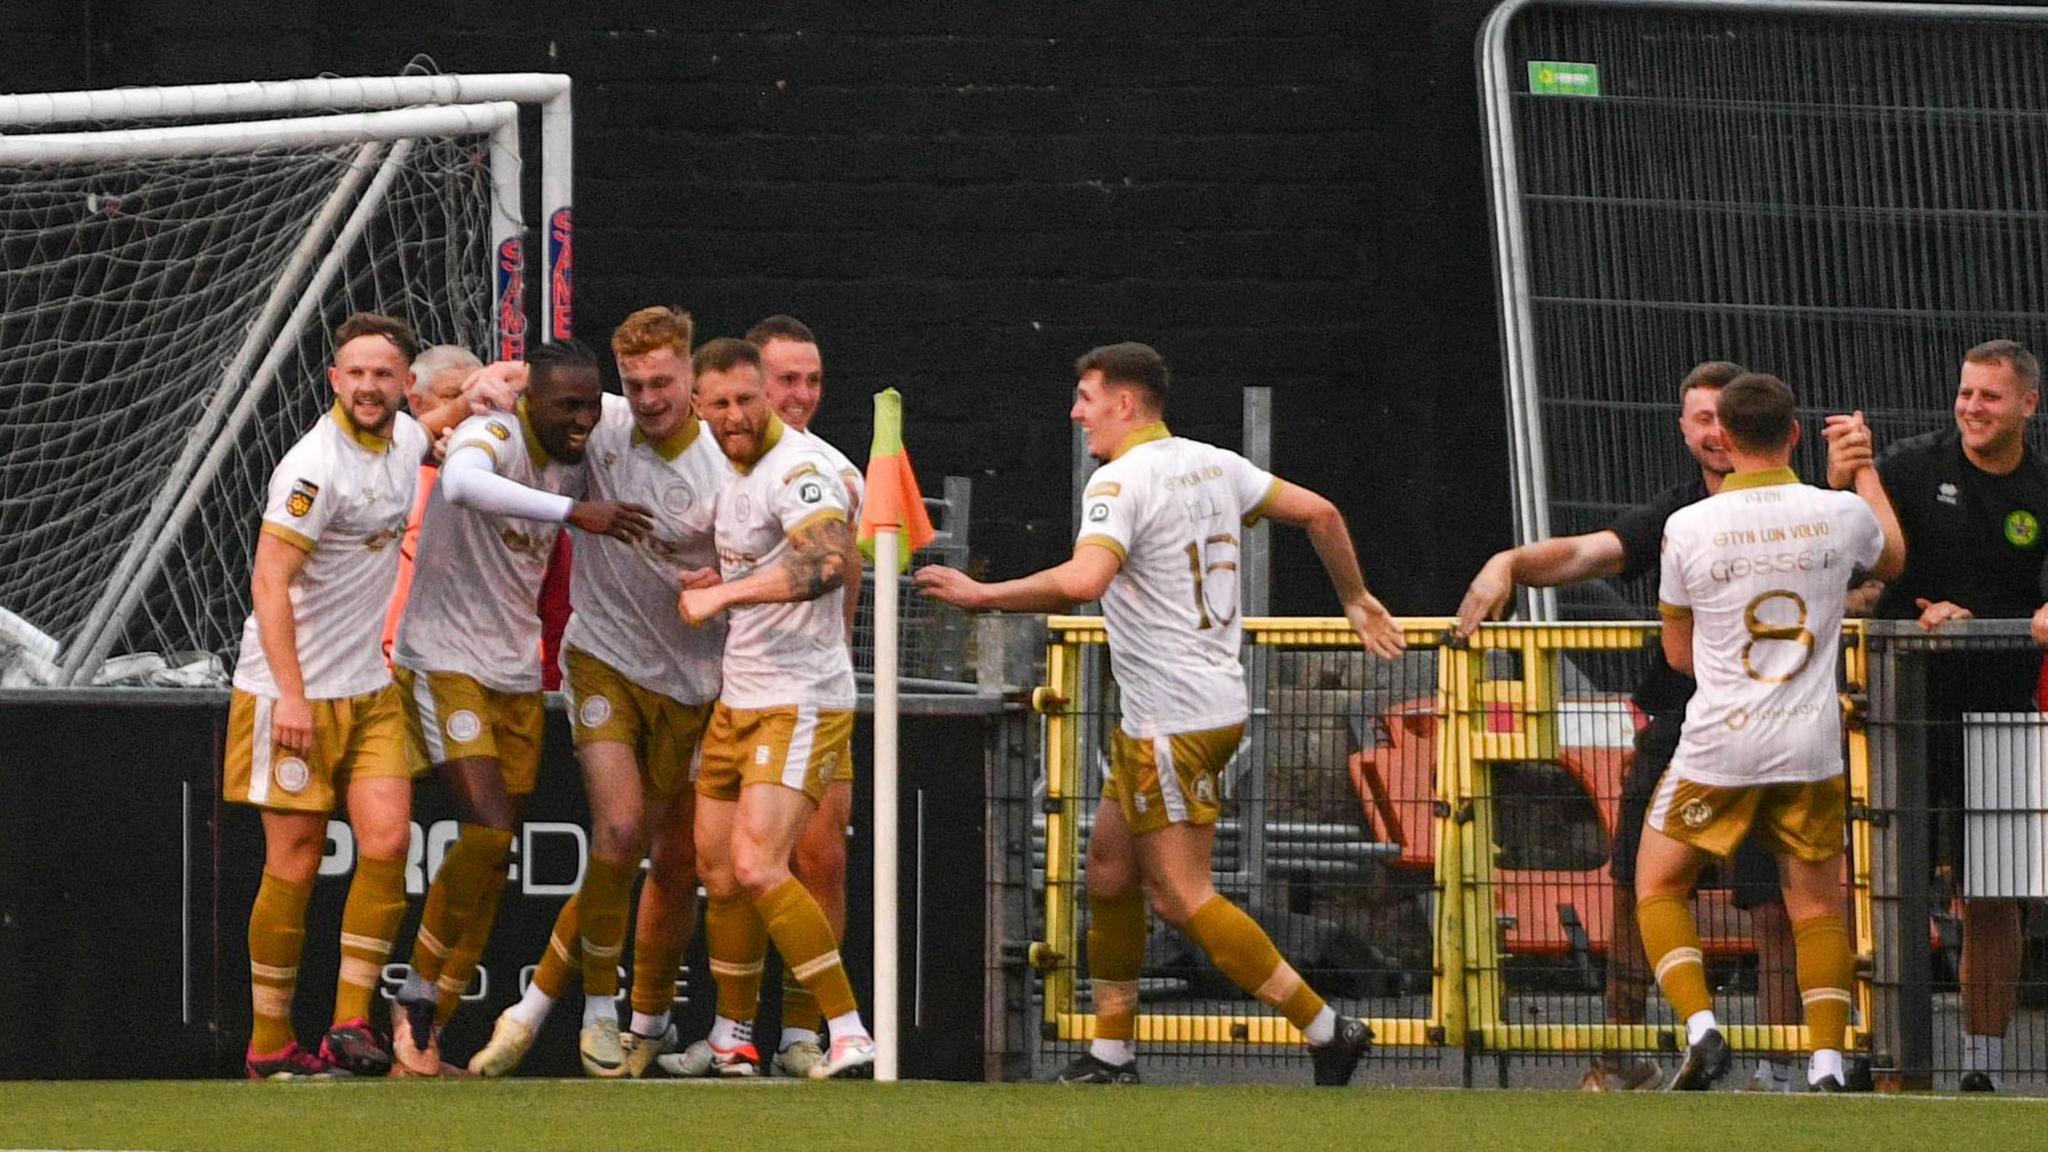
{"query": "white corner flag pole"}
[(888, 539)]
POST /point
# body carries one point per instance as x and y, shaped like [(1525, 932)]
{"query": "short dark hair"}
[(723, 355), (780, 327), (1757, 412), (1131, 363), (2011, 352), (546, 362), (377, 324), (1710, 374)]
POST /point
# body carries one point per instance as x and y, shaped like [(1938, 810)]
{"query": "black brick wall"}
[(962, 197)]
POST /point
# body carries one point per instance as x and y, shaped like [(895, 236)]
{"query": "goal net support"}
[(166, 297)]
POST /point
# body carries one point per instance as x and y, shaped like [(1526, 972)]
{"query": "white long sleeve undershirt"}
[(469, 479)]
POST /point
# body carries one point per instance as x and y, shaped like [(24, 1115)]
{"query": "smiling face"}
[(1107, 412), (657, 384), (1992, 409), (370, 377), (735, 404), (794, 375), (563, 404), (1699, 421)]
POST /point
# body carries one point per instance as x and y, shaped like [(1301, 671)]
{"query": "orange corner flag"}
[(892, 499)]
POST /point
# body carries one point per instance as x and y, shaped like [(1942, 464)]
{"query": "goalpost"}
[(166, 293)]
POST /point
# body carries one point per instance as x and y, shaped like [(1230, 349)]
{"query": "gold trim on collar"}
[(675, 443), (769, 440), (534, 448), (1762, 479), (1156, 430), (367, 439)]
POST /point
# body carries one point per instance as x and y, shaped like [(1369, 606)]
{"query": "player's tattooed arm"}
[(821, 557), (821, 554)]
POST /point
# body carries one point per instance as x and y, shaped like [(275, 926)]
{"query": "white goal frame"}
[(380, 114)]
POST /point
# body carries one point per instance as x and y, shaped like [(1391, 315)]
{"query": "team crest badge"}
[(1737, 720), (463, 726), (497, 428), (300, 501), (2021, 529), (677, 498), (292, 774), (1696, 813), (594, 711)]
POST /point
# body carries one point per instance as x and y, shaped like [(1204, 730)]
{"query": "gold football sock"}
[(1241, 950), (606, 897), (657, 956), (1827, 968), (1672, 943), (277, 934), (799, 1007), (804, 938), (1116, 952), (465, 956), (565, 950), (737, 941), (376, 906), (452, 898)]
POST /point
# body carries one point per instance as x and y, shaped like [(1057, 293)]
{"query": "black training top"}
[(1972, 538), (1664, 690)]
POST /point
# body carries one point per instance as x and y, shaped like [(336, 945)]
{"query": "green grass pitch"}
[(533, 1114)]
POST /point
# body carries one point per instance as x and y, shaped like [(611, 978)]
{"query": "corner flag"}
[(892, 499)]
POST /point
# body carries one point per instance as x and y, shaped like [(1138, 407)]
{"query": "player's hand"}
[(1850, 448), (291, 725), (442, 443), (2041, 625), (946, 585), (1934, 614), (701, 578), (495, 387), (1376, 626), (698, 605), (628, 522), (1486, 598)]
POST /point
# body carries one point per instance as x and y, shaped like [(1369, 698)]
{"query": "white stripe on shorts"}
[(1169, 780), (430, 719), (259, 753), (802, 739)]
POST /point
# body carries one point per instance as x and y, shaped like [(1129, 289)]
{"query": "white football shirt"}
[(782, 654), (1174, 510), (342, 496), (1763, 568), (624, 595), (476, 578)]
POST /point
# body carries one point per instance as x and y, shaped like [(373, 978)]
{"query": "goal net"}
[(167, 297)]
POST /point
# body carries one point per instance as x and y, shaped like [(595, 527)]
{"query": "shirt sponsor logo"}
[(811, 492), (300, 501), (2021, 529), (1097, 513), (292, 774)]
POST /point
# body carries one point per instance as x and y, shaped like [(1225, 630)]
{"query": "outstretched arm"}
[(1082, 578), (1542, 564), (1326, 530), (470, 480), (821, 555)]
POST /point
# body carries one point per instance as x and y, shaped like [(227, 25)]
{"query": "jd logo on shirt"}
[(2021, 529)]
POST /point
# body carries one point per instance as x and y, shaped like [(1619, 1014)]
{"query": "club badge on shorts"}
[(1696, 813), (463, 726), (292, 774)]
